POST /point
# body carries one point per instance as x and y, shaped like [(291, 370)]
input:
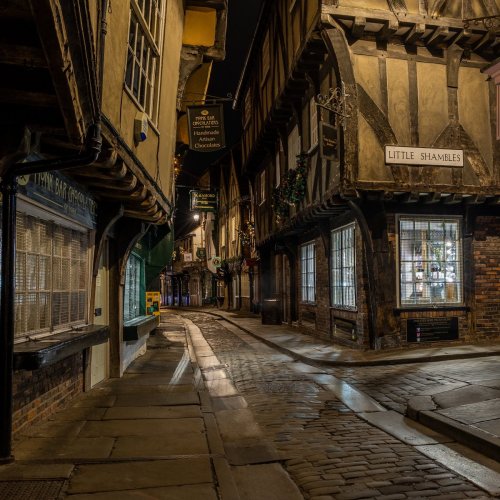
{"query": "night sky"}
[(242, 18)]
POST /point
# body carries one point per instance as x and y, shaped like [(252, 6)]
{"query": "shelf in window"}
[(35, 354)]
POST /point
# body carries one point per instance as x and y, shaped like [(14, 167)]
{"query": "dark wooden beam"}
[(439, 36), (15, 10), (18, 55), (415, 34), (358, 27), (25, 98), (388, 29)]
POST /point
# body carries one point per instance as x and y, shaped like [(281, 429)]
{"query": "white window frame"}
[(262, 187), (294, 147), (143, 63), (435, 271), (343, 267), (308, 272), (313, 123)]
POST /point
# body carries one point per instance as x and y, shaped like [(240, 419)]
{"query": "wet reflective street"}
[(336, 441)]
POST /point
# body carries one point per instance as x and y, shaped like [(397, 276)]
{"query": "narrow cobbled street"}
[(328, 450)]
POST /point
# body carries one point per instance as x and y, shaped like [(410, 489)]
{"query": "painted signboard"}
[(59, 193), (203, 201), (432, 157), (206, 128), (327, 141)]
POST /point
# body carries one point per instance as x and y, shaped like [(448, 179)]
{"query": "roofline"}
[(266, 5)]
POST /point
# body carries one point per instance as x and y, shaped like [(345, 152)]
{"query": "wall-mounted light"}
[(196, 217)]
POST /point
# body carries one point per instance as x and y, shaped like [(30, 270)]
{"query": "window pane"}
[(308, 272), (343, 267), (48, 274), (430, 265)]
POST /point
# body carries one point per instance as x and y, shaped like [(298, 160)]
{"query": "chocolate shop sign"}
[(432, 157), (206, 128)]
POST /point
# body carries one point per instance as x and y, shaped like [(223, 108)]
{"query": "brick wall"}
[(486, 278), (40, 393)]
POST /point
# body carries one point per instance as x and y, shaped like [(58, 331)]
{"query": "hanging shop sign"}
[(203, 201), (201, 253), (431, 329), (55, 191), (213, 264), (400, 155), (327, 141), (206, 128)]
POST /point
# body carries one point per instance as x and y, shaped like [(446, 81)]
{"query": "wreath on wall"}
[(292, 189)]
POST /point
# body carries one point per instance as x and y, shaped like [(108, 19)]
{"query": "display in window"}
[(430, 261)]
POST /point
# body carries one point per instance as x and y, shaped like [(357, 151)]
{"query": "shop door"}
[(99, 355)]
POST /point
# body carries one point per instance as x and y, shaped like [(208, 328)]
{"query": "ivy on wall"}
[(292, 189)]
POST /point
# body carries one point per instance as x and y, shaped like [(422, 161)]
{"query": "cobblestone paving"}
[(330, 453), (392, 386)]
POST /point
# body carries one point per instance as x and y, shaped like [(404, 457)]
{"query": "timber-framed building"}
[(370, 142)]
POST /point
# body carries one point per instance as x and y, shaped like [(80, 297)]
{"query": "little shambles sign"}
[(400, 155), (206, 128), (203, 201)]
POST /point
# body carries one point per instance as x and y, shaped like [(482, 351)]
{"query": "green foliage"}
[(292, 189)]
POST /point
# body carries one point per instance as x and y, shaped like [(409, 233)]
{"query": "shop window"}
[(132, 293), (343, 267), (308, 272), (430, 256), (143, 54), (52, 268)]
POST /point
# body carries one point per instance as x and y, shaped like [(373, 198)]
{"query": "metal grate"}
[(30, 490)]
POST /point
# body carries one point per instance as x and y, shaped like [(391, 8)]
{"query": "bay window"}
[(430, 261)]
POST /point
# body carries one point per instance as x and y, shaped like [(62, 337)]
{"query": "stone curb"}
[(474, 438), (367, 362)]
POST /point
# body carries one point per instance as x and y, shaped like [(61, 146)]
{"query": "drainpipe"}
[(8, 188)]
